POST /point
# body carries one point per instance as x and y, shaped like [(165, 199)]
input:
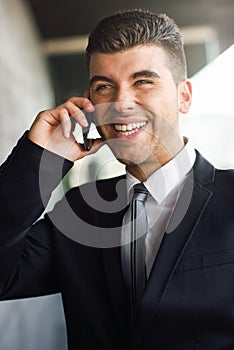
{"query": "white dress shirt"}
[(164, 186)]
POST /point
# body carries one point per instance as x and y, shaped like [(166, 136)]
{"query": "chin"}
[(130, 157), (130, 160)]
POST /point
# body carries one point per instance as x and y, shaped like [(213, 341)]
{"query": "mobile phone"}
[(85, 130)]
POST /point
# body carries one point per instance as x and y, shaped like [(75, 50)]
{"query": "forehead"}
[(128, 61)]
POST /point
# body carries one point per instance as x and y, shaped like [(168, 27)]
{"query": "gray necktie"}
[(133, 247)]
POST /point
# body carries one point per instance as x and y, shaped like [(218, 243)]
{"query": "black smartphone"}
[(87, 142)]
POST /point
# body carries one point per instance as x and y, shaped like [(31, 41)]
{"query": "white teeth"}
[(129, 127)]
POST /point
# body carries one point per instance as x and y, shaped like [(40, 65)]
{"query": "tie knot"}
[(140, 192)]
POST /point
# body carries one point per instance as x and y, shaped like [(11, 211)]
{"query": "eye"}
[(102, 87), (143, 82)]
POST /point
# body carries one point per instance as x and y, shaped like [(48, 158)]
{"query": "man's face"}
[(137, 105)]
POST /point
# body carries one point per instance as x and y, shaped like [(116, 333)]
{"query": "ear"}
[(185, 96), (86, 94)]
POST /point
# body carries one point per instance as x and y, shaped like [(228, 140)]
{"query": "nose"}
[(123, 100)]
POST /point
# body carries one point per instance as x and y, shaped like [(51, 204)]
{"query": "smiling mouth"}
[(129, 129)]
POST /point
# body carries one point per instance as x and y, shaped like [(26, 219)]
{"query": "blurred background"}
[(42, 63)]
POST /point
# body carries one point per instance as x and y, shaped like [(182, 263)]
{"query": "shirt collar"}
[(166, 178)]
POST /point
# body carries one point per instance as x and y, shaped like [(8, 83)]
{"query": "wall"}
[(25, 88), (24, 84)]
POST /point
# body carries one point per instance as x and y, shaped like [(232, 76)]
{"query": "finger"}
[(66, 127), (75, 105), (62, 116), (82, 103)]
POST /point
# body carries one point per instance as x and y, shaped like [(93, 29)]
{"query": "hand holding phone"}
[(89, 133)]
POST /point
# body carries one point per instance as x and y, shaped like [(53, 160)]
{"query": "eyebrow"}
[(146, 74), (143, 73)]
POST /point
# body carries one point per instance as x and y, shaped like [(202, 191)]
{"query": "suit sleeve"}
[(27, 179)]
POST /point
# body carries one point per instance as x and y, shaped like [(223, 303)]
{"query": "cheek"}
[(98, 120), (164, 123), (147, 98)]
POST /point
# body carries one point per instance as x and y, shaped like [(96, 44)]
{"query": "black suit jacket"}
[(188, 303)]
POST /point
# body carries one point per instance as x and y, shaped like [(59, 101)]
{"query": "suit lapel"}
[(174, 243)]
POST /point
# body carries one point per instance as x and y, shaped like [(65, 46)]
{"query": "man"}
[(138, 87)]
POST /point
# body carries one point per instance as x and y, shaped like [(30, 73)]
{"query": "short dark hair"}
[(129, 28)]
